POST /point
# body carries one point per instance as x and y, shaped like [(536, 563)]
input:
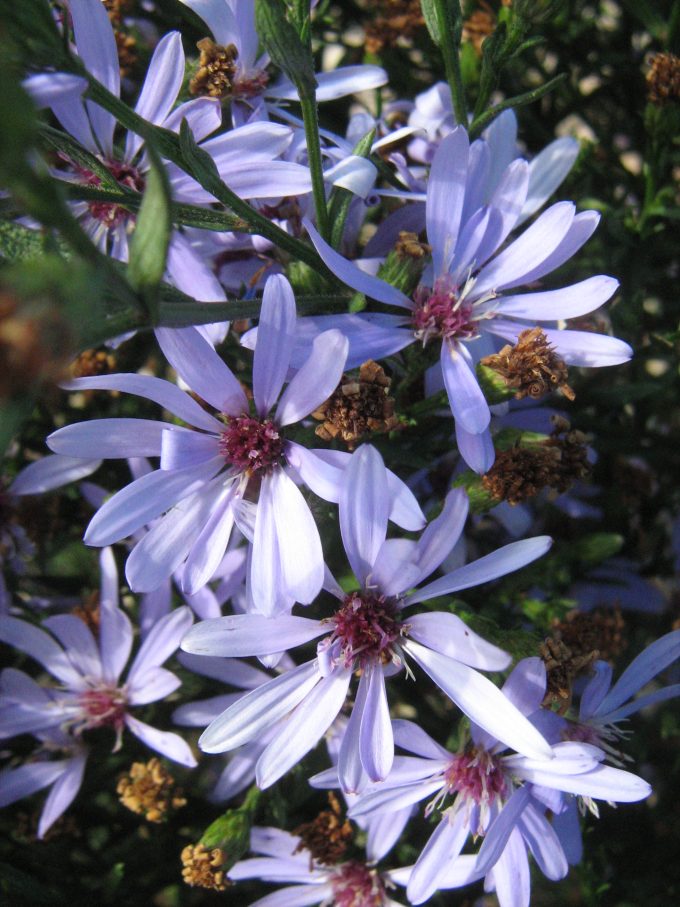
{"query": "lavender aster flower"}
[(369, 633), (206, 470), (318, 877), (91, 693), (461, 299), (63, 775), (490, 788)]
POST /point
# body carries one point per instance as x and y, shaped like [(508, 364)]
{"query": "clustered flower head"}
[(295, 481)]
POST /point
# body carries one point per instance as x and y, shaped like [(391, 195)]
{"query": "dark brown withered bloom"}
[(326, 837), (600, 631), (358, 406), (117, 9), (663, 79), (88, 611), (531, 367), (409, 246), (127, 52), (216, 69), (521, 472), (478, 27), (395, 19), (148, 789), (562, 666), (93, 362), (202, 868)]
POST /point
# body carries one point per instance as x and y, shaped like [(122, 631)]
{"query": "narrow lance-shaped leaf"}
[(284, 45), (151, 238)]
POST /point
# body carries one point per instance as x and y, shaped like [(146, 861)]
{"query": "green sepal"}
[(493, 386)]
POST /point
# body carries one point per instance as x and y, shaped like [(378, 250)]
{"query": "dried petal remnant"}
[(147, 789), (202, 868), (520, 472), (663, 79), (396, 19), (357, 407), (326, 837), (216, 69), (562, 666), (531, 367)]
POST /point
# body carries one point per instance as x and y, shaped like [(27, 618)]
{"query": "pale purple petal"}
[(353, 276), (51, 472), (208, 550), (218, 16), (38, 645), (250, 634), (363, 509), (481, 701), (445, 196), (259, 709), (144, 499), (316, 380), (78, 642), (510, 876), (332, 85), (642, 702), (440, 536), (504, 560), (323, 477), (48, 88), (448, 634), (412, 737), (597, 688), (181, 449), (161, 87), (501, 828), (226, 670), (544, 844), (295, 896), (476, 449), (467, 401), (170, 745), (197, 363), (568, 828), (442, 848), (115, 641), (166, 394), (350, 770), (162, 642), (276, 337), (190, 272), (304, 727), (97, 49), (395, 568), (528, 251), (547, 171), (405, 510), (505, 206), (602, 783), (63, 793), (655, 658), (376, 739), (109, 438), (153, 685), (383, 832), (201, 713), (17, 783), (203, 115), (168, 542), (568, 302)]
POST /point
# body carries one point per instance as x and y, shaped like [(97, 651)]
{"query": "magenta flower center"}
[(355, 885), (103, 707), (442, 312), (367, 627), (105, 212), (251, 445), (478, 775)]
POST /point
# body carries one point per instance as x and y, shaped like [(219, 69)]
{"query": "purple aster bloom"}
[(59, 763), (489, 790), (284, 858), (462, 299), (233, 22), (244, 157), (91, 692), (206, 470), (603, 706), (370, 634)]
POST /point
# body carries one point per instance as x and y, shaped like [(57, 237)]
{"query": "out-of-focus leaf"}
[(151, 237)]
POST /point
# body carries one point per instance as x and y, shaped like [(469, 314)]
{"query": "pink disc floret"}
[(477, 775), (355, 885), (367, 626), (441, 311), (251, 445), (103, 706)]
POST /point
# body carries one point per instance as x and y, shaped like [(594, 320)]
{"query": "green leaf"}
[(341, 199), (151, 237), (430, 16), (65, 144), (20, 243), (284, 45)]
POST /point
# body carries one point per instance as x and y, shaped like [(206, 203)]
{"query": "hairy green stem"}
[(311, 120), (449, 34), (520, 100)]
